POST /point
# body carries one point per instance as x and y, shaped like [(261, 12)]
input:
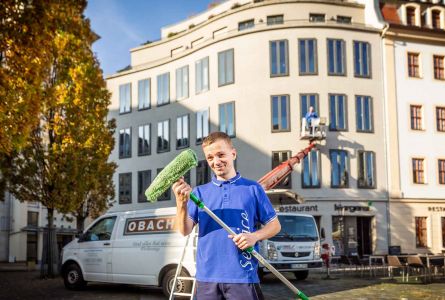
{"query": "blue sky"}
[(126, 24)]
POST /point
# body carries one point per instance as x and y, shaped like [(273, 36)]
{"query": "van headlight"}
[(317, 251), (272, 253)]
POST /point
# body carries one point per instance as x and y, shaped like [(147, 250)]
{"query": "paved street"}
[(27, 285)]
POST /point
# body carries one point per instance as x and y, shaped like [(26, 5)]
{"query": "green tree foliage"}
[(63, 164)]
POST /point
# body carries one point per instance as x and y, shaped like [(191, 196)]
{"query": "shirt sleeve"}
[(265, 211), (192, 208)]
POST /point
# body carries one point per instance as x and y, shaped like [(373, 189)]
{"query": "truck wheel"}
[(182, 286), (73, 278), (301, 275)]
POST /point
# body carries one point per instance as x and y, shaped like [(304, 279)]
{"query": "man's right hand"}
[(182, 191)]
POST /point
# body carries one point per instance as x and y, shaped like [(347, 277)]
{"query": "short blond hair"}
[(215, 136)]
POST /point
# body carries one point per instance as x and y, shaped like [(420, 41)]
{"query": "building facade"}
[(22, 227), (414, 51), (252, 69)]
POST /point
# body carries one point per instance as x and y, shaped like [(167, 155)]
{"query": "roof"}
[(389, 13)]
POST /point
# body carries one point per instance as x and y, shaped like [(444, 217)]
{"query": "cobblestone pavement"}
[(27, 286)]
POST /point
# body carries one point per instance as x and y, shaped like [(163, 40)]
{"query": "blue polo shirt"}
[(240, 203)]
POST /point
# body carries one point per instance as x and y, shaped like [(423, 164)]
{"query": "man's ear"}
[(234, 154)]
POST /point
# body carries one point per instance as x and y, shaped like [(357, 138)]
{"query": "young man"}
[(224, 271)]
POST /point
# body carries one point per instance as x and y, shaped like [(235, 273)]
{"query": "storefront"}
[(418, 226), (352, 227)]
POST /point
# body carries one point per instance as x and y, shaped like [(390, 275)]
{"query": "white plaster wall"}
[(428, 143)]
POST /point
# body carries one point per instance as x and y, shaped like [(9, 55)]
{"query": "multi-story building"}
[(252, 69), (414, 51), (22, 227)]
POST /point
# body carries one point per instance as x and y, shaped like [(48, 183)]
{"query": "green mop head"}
[(171, 173)]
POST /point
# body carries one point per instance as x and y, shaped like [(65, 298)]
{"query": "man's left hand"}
[(244, 240)]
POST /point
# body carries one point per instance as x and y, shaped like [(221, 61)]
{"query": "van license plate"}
[(298, 266)]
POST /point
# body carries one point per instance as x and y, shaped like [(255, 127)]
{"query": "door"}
[(95, 249), (364, 242)]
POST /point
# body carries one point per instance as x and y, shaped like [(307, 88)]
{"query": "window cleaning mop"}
[(175, 170)]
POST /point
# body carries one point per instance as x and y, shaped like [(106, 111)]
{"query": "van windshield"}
[(296, 228)]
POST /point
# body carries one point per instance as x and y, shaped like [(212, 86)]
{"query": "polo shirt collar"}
[(231, 180)]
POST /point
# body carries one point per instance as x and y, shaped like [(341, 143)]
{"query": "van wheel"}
[(73, 278), (182, 286), (301, 275)]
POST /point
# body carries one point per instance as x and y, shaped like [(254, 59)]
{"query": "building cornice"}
[(236, 33), (417, 34)]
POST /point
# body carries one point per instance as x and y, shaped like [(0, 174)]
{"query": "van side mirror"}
[(81, 237), (322, 234)]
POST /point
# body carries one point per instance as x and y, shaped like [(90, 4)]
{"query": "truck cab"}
[(296, 248)]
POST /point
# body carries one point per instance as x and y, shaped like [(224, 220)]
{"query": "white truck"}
[(296, 248)]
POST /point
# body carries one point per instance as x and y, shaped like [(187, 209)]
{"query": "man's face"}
[(220, 156)]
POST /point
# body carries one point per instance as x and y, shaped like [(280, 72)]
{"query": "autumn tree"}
[(64, 162)]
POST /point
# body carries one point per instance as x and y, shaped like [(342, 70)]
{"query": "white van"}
[(296, 248), (133, 247)]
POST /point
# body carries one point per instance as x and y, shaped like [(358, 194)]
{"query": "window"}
[(225, 67), (125, 143), (344, 20), (33, 219), (277, 158), (363, 105), (440, 118), (125, 98), (124, 188), (311, 170), (421, 231), (202, 173), (339, 168), (143, 94), (308, 100), (413, 65), (144, 140), (280, 113), (366, 169), (336, 57), (246, 25), (163, 136), (438, 67), (411, 16), (182, 132), (163, 89), (101, 231), (227, 118), (144, 180), (441, 169), (279, 58), (202, 125), (416, 117), (275, 20), (362, 59), (182, 83), (166, 195), (316, 17), (443, 232), (337, 112), (435, 19), (202, 75), (308, 56), (418, 171)]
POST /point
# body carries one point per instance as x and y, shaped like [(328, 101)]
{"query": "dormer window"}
[(435, 19), (411, 16)]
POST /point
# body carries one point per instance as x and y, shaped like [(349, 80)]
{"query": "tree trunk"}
[(80, 220), (50, 255)]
